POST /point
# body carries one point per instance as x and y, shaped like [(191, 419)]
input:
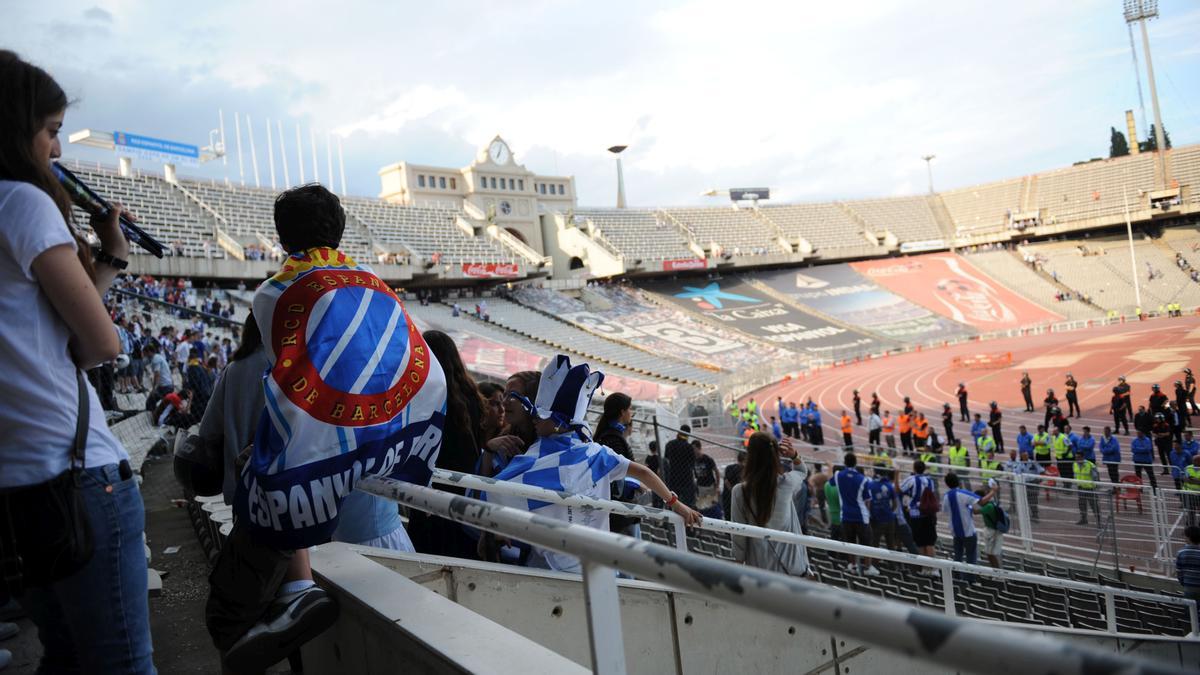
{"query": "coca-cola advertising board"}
[(490, 270), (684, 264), (948, 284)]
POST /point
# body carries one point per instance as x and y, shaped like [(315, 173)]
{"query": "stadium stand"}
[(634, 318), (826, 226), (426, 231), (562, 335), (1007, 268), (983, 209), (1100, 268), (638, 234), (183, 227), (736, 231), (909, 218), (1092, 190)]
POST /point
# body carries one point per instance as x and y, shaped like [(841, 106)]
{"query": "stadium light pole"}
[(617, 150), (929, 169), (1137, 288), (1140, 11)]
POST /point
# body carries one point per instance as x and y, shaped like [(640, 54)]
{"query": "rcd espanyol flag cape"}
[(352, 391)]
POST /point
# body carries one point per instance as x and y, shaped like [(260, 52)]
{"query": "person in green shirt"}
[(833, 502), (992, 541)]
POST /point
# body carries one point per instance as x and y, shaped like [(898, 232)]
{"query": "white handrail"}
[(946, 567), (905, 629)]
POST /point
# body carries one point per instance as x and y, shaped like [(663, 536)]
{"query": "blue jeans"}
[(966, 549), (98, 620)]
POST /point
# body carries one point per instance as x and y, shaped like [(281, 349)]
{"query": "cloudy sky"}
[(815, 100)]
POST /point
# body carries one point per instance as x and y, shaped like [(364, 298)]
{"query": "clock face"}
[(499, 152), (505, 208)]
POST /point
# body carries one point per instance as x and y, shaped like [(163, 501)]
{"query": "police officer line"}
[(945, 567)]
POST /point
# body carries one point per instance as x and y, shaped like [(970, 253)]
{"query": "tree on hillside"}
[(1151, 143), (1117, 145)]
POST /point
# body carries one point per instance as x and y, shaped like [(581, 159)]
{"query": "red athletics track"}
[(1146, 352)]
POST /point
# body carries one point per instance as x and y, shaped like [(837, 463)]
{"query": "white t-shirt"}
[(40, 398)]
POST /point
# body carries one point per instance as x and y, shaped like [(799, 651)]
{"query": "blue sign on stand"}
[(155, 145)]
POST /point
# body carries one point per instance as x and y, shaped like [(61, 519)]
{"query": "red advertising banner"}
[(951, 286), (684, 264), (490, 270)]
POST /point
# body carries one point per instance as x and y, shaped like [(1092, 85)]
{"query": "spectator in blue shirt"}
[(1142, 449), (1180, 460), (1187, 564), (883, 509), (776, 429), (960, 506), (852, 490), (1087, 443), (1190, 445), (1024, 441), (978, 429), (1110, 454)]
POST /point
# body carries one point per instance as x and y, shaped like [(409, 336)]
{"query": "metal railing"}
[(945, 568), (907, 630)]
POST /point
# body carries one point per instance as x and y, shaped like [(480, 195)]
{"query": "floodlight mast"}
[(929, 167), (617, 150), (1140, 11)]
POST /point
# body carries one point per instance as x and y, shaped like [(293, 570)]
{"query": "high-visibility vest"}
[(1062, 447), (987, 445), (847, 427), (922, 429), (752, 407), (1083, 474), (990, 468), (929, 458), (888, 425), (905, 424), (1041, 445), (882, 459), (1194, 474), (958, 456)]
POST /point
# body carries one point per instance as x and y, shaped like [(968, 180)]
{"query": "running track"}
[(1146, 352)]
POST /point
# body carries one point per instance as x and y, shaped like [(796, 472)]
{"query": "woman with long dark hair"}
[(232, 415), (461, 443), (612, 430), (767, 497), (95, 618)]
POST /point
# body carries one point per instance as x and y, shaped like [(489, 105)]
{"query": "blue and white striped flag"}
[(352, 391)]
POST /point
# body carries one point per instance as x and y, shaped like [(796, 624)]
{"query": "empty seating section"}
[(249, 212), (909, 218), (426, 231), (988, 598), (736, 230), (639, 234), (983, 208), (1011, 271), (1105, 272), (1093, 190), (161, 210), (563, 335), (826, 226), (1184, 166)]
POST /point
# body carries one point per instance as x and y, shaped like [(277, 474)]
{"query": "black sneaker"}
[(290, 621)]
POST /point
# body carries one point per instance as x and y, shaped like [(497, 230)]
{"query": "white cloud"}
[(816, 100)]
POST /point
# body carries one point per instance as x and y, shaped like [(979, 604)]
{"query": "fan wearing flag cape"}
[(351, 390), (564, 458)]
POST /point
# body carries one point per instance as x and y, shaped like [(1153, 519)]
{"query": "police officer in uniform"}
[(1117, 408), (1027, 391), (1072, 397), (994, 418)]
